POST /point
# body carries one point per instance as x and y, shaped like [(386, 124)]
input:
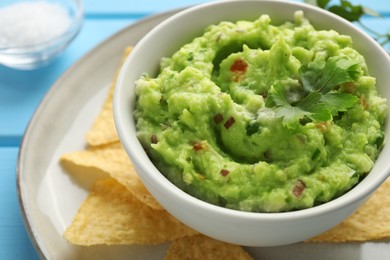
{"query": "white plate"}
[(49, 197)]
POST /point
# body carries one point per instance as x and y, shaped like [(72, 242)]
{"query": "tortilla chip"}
[(112, 145), (370, 222), (111, 215), (113, 161), (103, 129), (204, 248)]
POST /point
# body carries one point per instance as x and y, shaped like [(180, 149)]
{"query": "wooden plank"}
[(136, 8), (144, 7), (14, 241)]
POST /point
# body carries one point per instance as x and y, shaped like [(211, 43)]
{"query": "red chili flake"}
[(298, 188), (153, 139), (197, 147), (218, 118), (224, 172), (239, 66), (229, 122)]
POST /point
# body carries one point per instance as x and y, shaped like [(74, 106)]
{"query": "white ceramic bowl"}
[(34, 32), (245, 228)]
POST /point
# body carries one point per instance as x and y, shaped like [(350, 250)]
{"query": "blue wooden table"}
[(21, 92)]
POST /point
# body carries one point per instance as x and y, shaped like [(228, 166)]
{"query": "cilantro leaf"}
[(309, 78), (321, 114), (317, 111), (338, 70), (338, 101), (310, 100), (276, 97), (290, 114), (323, 3), (353, 13), (320, 101), (348, 11)]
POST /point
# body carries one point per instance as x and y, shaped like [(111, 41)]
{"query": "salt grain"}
[(29, 23)]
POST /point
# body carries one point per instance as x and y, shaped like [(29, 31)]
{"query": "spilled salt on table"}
[(29, 23)]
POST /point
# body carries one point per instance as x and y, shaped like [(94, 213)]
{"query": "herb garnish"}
[(353, 13), (320, 100), (252, 128)]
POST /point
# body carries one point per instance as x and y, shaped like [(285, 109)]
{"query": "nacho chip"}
[(114, 161), (103, 129), (111, 215), (204, 248), (370, 222)]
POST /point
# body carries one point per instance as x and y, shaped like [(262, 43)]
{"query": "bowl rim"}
[(360, 191), (71, 31)]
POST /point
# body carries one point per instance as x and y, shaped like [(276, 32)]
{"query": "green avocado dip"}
[(261, 117)]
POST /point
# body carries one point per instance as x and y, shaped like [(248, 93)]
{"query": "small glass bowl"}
[(32, 54)]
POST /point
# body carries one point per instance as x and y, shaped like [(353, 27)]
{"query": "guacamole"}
[(250, 115)]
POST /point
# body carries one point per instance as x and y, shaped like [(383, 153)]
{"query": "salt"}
[(29, 23)]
